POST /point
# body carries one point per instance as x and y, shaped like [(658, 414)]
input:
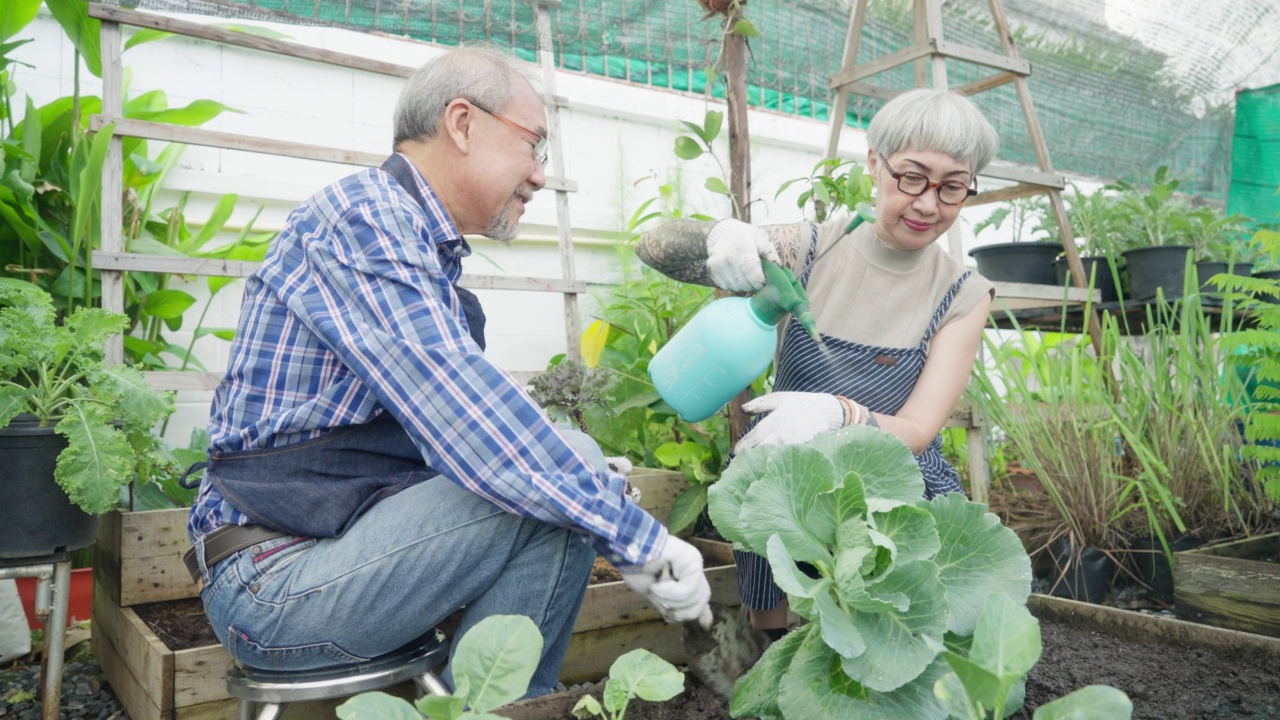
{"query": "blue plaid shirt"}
[(352, 314)]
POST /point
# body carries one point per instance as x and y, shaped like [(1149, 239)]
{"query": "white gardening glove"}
[(674, 583), (795, 417), (734, 250)]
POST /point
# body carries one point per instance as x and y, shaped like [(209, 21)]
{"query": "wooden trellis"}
[(113, 260)]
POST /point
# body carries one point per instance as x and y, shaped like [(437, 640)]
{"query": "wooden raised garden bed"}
[(155, 682), (1232, 585)]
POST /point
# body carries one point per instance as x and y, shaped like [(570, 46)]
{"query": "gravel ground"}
[(84, 696)]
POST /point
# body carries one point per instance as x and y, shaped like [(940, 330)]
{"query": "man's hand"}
[(795, 417), (734, 250), (673, 582)]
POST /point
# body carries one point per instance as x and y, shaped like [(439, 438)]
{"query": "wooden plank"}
[(590, 654), (612, 604), (1139, 627), (239, 39), (243, 268), (985, 84), (111, 223), (148, 660), (1029, 176), (658, 490), (221, 710), (1005, 194), (200, 675), (717, 553), (879, 65), (126, 688), (1006, 63), (173, 265), (182, 379), (1017, 296), (165, 132), (1246, 548), (138, 556), (1227, 590)]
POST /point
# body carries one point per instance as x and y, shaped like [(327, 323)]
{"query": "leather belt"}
[(225, 542)]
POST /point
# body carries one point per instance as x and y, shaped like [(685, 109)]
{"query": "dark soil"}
[(181, 624), (1165, 682), (603, 572)]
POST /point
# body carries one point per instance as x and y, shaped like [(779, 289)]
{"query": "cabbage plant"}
[(893, 586)]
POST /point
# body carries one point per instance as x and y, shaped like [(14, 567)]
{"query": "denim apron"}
[(319, 487), (880, 378)]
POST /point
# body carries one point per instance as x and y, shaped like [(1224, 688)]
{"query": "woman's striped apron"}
[(878, 377)]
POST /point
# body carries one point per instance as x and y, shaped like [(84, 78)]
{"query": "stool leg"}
[(244, 711), (55, 628), (272, 711), (429, 684)]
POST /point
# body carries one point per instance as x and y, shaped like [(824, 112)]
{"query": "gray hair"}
[(934, 119), (482, 73)]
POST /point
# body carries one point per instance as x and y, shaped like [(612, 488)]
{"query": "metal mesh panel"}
[(1120, 86)]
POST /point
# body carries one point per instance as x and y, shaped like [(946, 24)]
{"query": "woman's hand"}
[(795, 417), (734, 250)]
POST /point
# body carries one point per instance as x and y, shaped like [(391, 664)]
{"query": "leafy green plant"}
[(1253, 356), (1216, 236), (635, 674), (569, 388), (50, 187), (56, 372), (895, 579), (1005, 646), (700, 142), (492, 666), (1151, 217), (916, 608), (1025, 215), (832, 184)]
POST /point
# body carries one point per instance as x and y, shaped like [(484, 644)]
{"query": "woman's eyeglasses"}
[(951, 192)]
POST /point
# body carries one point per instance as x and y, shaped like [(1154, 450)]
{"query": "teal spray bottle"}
[(731, 341)]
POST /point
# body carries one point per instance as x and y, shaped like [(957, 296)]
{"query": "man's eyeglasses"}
[(538, 141), (951, 192)]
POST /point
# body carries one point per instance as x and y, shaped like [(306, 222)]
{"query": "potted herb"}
[(1219, 244), (1018, 261), (1096, 221), (1154, 236), (74, 430)]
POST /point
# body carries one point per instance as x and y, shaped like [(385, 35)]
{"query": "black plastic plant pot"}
[(36, 518), (1268, 275), (1080, 573), (1103, 281), (1025, 262), (1161, 268), (1152, 566), (1206, 269)]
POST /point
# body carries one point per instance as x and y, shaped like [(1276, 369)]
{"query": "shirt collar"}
[(454, 245)]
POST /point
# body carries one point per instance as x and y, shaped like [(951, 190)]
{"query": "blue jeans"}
[(414, 558)]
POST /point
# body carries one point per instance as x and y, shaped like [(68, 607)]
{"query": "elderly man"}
[(370, 471)]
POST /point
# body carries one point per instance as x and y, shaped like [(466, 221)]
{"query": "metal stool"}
[(264, 694), (53, 592)]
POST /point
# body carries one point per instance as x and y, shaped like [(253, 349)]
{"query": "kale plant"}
[(56, 372), (893, 586)]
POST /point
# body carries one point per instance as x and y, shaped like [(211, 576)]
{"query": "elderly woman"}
[(900, 318)]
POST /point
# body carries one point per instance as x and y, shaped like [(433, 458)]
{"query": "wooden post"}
[(112, 215), (735, 77), (564, 232)]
